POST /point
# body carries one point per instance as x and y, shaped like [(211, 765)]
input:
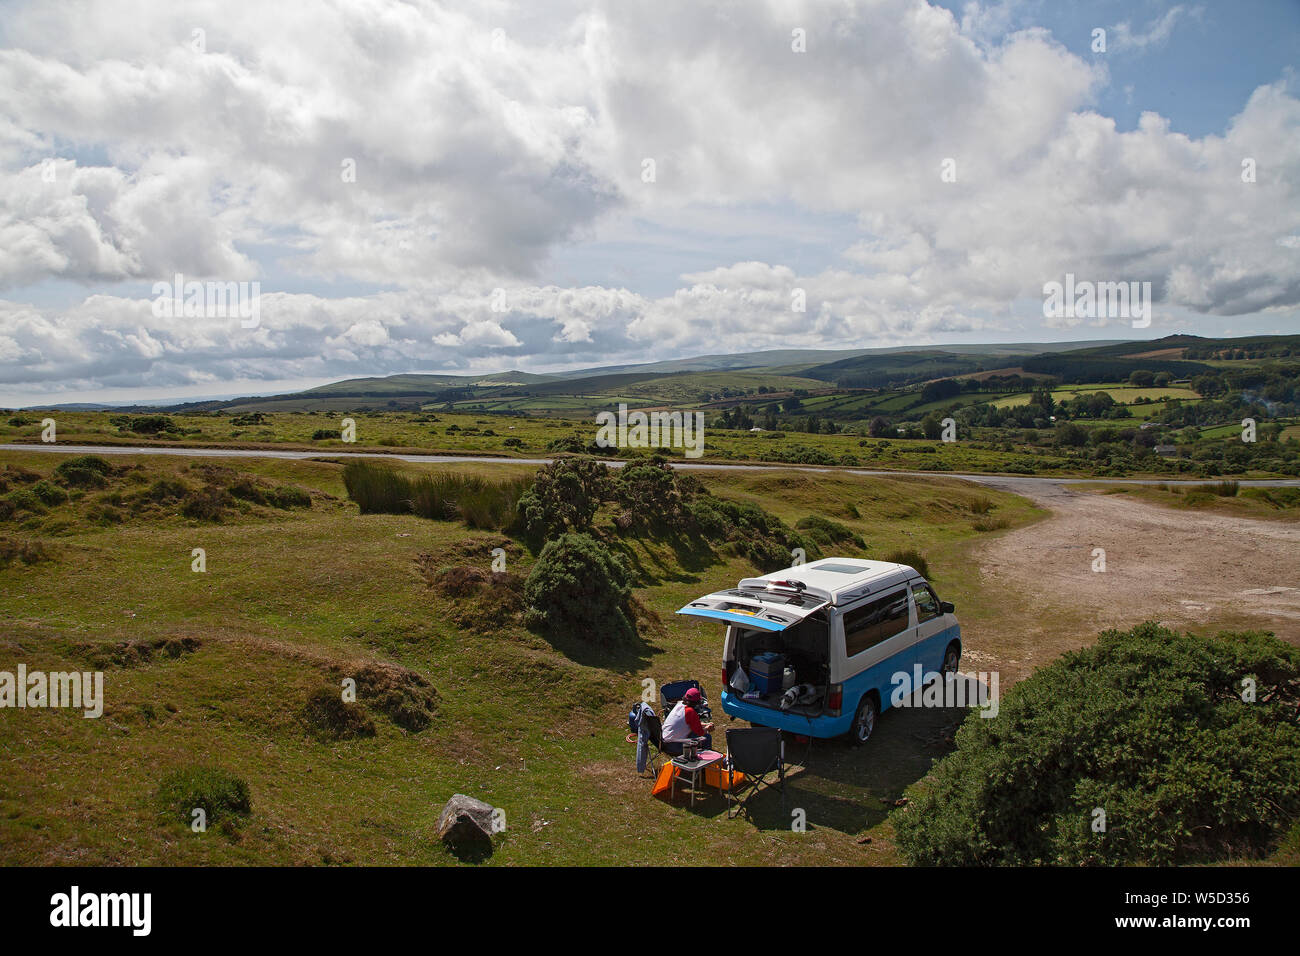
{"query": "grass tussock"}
[(329, 717), (442, 496), (223, 797), (913, 559), (137, 653), (401, 695), (23, 551)]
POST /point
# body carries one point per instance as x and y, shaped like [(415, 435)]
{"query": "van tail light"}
[(725, 678), (835, 699)]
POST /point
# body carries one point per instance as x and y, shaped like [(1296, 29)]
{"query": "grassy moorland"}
[(236, 669), (1096, 448), (216, 668)]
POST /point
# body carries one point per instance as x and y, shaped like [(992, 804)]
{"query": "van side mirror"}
[(947, 607)]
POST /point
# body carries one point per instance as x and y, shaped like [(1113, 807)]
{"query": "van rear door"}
[(767, 610)]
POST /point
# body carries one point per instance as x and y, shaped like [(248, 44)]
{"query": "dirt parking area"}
[(1196, 571)]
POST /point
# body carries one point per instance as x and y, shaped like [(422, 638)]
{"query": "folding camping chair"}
[(655, 736), (755, 752), (670, 694)]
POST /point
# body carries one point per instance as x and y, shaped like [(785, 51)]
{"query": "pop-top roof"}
[(837, 580), (780, 600)]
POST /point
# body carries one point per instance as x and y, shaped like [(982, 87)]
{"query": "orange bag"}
[(665, 779), (720, 779)]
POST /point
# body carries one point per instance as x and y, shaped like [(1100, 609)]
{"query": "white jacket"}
[(675, 727)]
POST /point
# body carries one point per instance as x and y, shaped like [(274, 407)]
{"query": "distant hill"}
[(722, 378)]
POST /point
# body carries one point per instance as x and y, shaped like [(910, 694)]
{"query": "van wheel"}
[(951, 658), (864, 721)]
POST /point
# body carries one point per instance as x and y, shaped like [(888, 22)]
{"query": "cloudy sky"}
[(470, 187)]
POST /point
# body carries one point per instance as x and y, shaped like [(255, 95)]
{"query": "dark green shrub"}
[(24, 499), (564, 497), (760, 536), (84, 471), (208, 503), (145, 424), (913, 559), (223, 797), (572, 444), (93, 462), (323, 434), (166, 489), (288, 496), (650, 491), (581, 587), (1148, 725), (49, 494), (830, 534)]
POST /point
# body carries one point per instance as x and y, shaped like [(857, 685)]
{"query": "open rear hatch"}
[(765, 607), (780, 617)]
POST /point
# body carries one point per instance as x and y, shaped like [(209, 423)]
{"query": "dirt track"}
[(1197, 571)]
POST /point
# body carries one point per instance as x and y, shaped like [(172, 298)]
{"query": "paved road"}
[(1005, 482)]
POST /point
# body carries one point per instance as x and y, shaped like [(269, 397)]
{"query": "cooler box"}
[(769, 664), (766, 683)]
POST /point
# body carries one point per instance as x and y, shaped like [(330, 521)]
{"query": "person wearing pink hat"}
[(683, 723)]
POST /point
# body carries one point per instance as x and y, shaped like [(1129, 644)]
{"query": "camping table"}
[(694, 768)]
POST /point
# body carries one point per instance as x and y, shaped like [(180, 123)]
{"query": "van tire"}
[(864, 721), (951, 659)]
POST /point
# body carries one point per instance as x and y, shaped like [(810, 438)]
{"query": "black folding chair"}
[(670, 694), (756, 752)]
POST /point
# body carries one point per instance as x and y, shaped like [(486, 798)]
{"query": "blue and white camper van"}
[(837, 631)]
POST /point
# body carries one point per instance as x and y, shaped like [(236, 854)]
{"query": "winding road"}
[(1013, 483)]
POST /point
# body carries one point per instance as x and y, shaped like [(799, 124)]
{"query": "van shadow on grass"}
[(849, 789)]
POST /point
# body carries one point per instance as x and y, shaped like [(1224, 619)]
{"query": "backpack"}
[(634, 716)]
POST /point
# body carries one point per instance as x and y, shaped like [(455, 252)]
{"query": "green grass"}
[(292, 600), (1277, 504)]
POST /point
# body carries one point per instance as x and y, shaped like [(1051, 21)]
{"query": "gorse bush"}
[(1148, 725), (50, 494), (564, 496), (580, 586), (480, 503), (83, 471), (830, 534), (653, 492), (759, 536), (208, 503)]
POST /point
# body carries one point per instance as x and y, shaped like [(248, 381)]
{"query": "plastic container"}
[(788, 680)]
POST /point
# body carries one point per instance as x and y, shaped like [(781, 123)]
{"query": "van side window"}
[(927, 605), (881, 619)]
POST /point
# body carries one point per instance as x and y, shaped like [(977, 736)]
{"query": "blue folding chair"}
[(670, 694)]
